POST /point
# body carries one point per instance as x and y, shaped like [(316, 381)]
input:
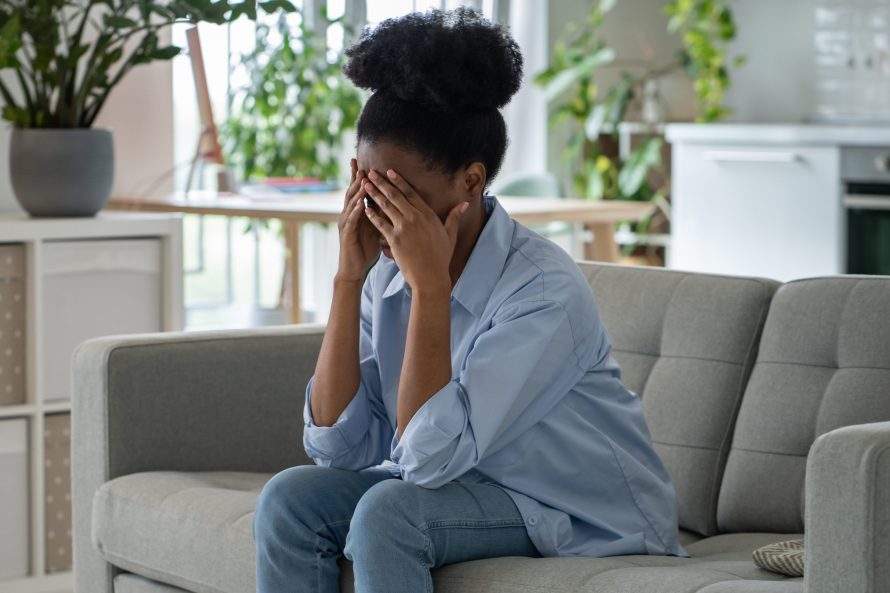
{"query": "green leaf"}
[(596, 187), (593, 125), (166, 53), (17, 115), (273, 5), (565, 79), (10, 42), (635, 170), (116, 21)]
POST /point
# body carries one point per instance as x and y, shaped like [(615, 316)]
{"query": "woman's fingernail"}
[(390, 173), (464, 207)]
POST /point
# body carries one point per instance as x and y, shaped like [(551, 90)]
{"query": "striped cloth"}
[(783, 557)]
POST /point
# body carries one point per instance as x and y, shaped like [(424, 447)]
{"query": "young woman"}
[(465, 403)]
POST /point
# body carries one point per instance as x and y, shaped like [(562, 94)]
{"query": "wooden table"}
[(293, 210)]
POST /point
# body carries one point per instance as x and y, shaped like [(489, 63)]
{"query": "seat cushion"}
[(824, 363), (195, 531), (127, 582), (191, 530), (686, 344)]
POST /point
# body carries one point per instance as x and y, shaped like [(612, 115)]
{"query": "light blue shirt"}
[(535, 405)]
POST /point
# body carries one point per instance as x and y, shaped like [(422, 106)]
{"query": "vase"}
[(61, 171)]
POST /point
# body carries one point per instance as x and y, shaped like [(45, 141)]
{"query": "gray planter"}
[(61, 172)]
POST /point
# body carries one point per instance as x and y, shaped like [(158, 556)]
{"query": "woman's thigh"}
[(456, 522)]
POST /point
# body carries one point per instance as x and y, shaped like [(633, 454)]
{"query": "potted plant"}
[(61, 60)]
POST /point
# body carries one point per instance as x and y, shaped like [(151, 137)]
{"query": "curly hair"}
[(439, 79)]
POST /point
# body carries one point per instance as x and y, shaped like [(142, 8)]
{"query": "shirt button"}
[(532, 520)]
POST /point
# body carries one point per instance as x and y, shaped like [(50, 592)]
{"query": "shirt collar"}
[(483, 268)]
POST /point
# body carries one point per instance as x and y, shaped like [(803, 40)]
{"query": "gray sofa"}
[(769, 404)]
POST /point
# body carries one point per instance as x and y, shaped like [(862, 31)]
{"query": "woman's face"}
[(441, 191)]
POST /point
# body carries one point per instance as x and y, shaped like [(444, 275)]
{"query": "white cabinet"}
[(63, 280), (749, 209), (96, 288)]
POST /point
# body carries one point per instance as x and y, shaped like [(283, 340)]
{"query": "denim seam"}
[(428, 582), (318, 576), (471, 524)]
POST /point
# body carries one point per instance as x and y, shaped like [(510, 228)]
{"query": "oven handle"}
[(867, 202)]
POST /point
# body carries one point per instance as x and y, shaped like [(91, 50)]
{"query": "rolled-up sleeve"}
[(362, 433), (515, 372)]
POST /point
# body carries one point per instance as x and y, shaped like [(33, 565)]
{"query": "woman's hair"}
[(439, 79)]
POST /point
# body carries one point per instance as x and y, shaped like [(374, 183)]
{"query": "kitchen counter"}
[(779, 134)]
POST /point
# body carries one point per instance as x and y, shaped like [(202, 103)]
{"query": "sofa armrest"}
[(847, 507), (183, 401)]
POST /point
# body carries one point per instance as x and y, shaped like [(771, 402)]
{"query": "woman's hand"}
[(359, 240), (421, 244)]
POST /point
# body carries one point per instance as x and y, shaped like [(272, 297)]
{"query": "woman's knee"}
[(386, 508), (287, 492)]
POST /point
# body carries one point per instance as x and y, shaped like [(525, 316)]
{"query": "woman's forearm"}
[(426, 367), (337, 372)]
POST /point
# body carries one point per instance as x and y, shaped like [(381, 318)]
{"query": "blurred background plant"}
[(290, 117), (597, 114)]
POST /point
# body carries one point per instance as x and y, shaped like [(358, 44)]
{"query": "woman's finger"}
[(394, 214), (353, 211), (353, 188), (380, 223), (407, 190), (392, 193)]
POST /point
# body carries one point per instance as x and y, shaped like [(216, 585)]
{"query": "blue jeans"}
[(394, 532)]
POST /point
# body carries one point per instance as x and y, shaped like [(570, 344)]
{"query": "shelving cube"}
[(112, 251)]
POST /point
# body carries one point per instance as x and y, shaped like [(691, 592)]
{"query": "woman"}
[(465, 403)]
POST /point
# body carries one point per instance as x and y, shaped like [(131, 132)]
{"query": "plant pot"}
[(61, 172)]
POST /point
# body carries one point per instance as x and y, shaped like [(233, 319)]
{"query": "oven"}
[(865, 172)]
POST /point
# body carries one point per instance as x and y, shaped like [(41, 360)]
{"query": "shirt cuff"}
[(333, 441), (438, 422)]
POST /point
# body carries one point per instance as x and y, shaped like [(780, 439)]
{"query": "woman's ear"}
[(474, 179)]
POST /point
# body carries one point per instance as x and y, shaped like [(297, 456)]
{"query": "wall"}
[(7, 201), (778, 82)]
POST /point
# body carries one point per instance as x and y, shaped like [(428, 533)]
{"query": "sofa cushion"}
[(195, 531), (127, 582), (686, 343), (824, 363), (191, 530), (717, 563)]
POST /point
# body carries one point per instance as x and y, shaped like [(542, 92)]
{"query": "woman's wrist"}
[(348, 281)]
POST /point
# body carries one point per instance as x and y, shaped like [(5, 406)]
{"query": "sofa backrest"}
[(823, 363), (686, 343)]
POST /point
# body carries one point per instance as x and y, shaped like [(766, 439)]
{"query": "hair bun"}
[(448, 61)]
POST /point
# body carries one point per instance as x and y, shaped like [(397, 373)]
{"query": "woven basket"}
[(783, 557)]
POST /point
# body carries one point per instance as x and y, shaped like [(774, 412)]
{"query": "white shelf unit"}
[(34, 234)]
